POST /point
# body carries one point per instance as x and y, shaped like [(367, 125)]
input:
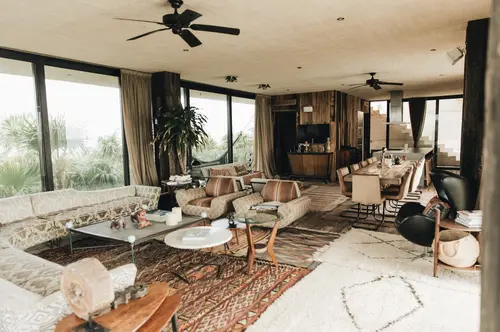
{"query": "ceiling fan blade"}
[(214, 28), (144, 21), (356, 87), (360, 84), (190, 38), (389, 83), (147, 33), (188, 16), (376, 86)]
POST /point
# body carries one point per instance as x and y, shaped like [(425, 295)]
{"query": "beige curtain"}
[(137, 117), (264, 139)]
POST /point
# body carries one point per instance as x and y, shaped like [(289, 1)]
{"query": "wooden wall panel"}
[(322, 103)]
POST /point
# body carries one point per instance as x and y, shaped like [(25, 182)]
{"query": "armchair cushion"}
[(294, 210), (241, 169), (247, 178), (223, 204), (219, 172), (280, 191), (203, 201), (244, 204), (415, 226), (220, 186), (183, 196), (435, 202)]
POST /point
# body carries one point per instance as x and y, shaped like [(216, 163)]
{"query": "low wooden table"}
[(451, 224), (150, 313)]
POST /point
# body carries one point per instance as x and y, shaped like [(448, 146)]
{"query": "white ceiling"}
[(390, 37)]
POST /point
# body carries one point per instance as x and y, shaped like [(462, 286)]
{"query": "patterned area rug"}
[(324, 197), (376, 282), (229, 303), (298, 247)]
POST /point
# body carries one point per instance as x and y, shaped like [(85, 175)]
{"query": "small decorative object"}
[(118, 223), (131, 239), (87, 288), (306, 146), (406, 147), (230, 220), (397, 160), (204, 216), (139, 217), (130, 293), (328, 147)]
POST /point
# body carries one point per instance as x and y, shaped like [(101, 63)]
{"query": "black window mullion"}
[(436, 134), (189, 157), (230, 128), (46, 169)]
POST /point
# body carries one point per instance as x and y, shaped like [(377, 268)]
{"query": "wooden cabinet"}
[(311, 165)]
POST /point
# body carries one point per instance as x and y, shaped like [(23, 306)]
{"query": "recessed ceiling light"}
[(287, 89), (186, 50), (299, 67), (340, 18), (441, 74), (342, 84), (433, 50)]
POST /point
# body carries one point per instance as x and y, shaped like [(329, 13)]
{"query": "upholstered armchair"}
[(215, 199), (292, 204)]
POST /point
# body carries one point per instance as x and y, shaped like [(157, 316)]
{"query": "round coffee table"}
[(223, 223), (254, 217), (214, 238)]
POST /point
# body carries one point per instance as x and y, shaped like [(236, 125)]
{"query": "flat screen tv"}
[(317, 132)]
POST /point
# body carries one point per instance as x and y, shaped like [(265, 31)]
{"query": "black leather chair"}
[(418, 228)]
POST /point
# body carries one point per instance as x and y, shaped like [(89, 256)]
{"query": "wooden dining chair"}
[(415, 181), (364, 163), (395, 196), (354, 167), (345, 187), (366, 191)]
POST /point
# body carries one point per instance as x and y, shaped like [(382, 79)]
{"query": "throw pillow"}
[(219, 172), (280, 191), (232, 171), (219, 186), (241, 169), (436, 202)]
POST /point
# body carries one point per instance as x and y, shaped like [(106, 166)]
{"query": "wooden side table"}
[(451, 224), (150, 313)]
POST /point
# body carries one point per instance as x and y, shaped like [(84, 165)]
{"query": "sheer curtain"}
[(137, 118), (264, 139)]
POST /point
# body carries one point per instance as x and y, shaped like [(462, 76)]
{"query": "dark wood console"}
[(312, 165)]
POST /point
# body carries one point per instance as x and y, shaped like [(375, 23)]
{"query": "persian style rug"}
[(324, 197), (231, 302), (376, 282), (298, 247)]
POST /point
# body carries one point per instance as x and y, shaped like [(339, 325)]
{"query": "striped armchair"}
[(293, 205), (215, 199)]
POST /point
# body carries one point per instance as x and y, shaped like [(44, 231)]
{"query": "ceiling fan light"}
[(263, 86), (232, 79)]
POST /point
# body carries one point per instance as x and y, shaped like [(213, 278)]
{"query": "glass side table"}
[(259, 218)]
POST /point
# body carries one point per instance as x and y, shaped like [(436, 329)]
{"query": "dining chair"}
[(346, 188), (366, 191), (413, 193), (354, 167), (362, 164), (395, 196)]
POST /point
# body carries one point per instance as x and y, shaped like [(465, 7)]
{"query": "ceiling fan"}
[(180, 23), (373, 83)]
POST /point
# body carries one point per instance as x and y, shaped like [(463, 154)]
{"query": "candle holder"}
[(230, 220)]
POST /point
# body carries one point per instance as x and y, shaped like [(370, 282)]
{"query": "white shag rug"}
[(371, 282)]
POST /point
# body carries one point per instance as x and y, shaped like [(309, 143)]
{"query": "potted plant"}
[(178, 128)]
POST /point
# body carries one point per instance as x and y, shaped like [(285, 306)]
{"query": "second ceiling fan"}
[(373, 83), (180, 23)]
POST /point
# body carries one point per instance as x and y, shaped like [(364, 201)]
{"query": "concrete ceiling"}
[(392, 38)]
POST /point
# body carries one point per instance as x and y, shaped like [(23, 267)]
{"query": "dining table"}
[(392, 175)]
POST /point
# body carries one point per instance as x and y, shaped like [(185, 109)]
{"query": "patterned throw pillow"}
[(232, 171), (219, 172), (280, 191), (218, 186), (241, 169), (435, 202)]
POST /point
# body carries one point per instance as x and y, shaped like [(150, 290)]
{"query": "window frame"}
[(38, 63)]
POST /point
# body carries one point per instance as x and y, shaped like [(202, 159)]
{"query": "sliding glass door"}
[(449, 132), (243, 117), (19, 131), (85, 129)]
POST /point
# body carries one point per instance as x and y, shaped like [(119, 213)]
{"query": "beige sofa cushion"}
[(51, 201), (105, 195), (30, 232), (30, 272), (15, 208)]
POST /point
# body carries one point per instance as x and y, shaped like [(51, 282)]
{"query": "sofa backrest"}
[(220, 186), (205, 171), (105, 195), (52, 201), (280, 191), (15, 208)]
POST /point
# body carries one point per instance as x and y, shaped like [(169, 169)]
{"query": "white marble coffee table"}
[(215, 238)]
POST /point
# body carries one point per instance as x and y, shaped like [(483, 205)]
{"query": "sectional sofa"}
[(237, 171), (31, 299)]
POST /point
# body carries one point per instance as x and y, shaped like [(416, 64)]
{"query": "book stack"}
[(267, 206), (196, 235), (470, 218)]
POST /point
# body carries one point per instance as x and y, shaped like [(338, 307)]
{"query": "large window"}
[(214, 107), (378, 127), (449, 132), (19, 146), (399, 135), (86, 129), (243, 129)]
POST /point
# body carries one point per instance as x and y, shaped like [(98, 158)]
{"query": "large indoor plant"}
[(177, 129)]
